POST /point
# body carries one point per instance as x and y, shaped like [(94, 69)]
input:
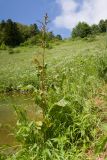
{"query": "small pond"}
[(8, 116)]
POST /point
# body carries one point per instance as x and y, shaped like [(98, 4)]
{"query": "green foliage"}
[(81, 30), (2, 157), (71, 124), (12, 33), (103, 68), (49, 46), (95, 29), (13, 51), (12, 36), (100, 145), (30, 41), (28, 32), (50, 36), (3, 46), (18, 69), (103, 25), (15, 34), (90, 38), (58, 37)]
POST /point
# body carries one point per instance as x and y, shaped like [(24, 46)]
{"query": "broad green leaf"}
[(62, 103)]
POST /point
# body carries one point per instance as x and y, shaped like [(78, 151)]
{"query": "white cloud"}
[(67, 5), (90, 11)]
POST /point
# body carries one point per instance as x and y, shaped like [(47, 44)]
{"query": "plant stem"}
[(43, 74)]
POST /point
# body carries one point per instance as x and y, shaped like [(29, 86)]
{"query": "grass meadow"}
[(17, 68), (75, 124)]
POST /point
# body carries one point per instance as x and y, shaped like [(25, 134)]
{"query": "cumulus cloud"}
[(72, 11)]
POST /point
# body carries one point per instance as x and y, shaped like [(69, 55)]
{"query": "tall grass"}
[(17, 70), (72, 123)]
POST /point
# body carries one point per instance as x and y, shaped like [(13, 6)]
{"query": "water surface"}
[(8, 116)]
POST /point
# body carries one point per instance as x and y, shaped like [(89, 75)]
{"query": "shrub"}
[(49, 46), (90, 38), (81, 30), (3, 46), (103, 25), (95, 29)]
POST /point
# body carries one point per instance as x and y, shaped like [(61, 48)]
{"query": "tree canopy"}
[(13, 33), (83, 29)]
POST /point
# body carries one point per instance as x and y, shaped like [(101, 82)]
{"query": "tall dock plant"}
[(41, 66)]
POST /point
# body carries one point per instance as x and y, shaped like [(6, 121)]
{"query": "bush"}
[(102, 25), (81, 30), (95, 29), (90, 38), (30, 41), (3, 46), (49, 46)]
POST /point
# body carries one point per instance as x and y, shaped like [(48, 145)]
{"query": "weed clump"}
[(3, 46)]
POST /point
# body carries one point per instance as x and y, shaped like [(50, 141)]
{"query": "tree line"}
[(13, 34), (82, 29)]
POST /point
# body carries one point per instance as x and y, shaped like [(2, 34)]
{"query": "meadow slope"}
[(75, 123), (18, 69)]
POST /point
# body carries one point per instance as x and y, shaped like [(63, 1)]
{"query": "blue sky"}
[(30, 11), (64, 14)]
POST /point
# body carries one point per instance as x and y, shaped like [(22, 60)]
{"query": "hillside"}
[(75, 125), (17, 68)]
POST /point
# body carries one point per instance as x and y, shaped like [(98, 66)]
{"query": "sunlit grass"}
[(18, 68), (76, 72)]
